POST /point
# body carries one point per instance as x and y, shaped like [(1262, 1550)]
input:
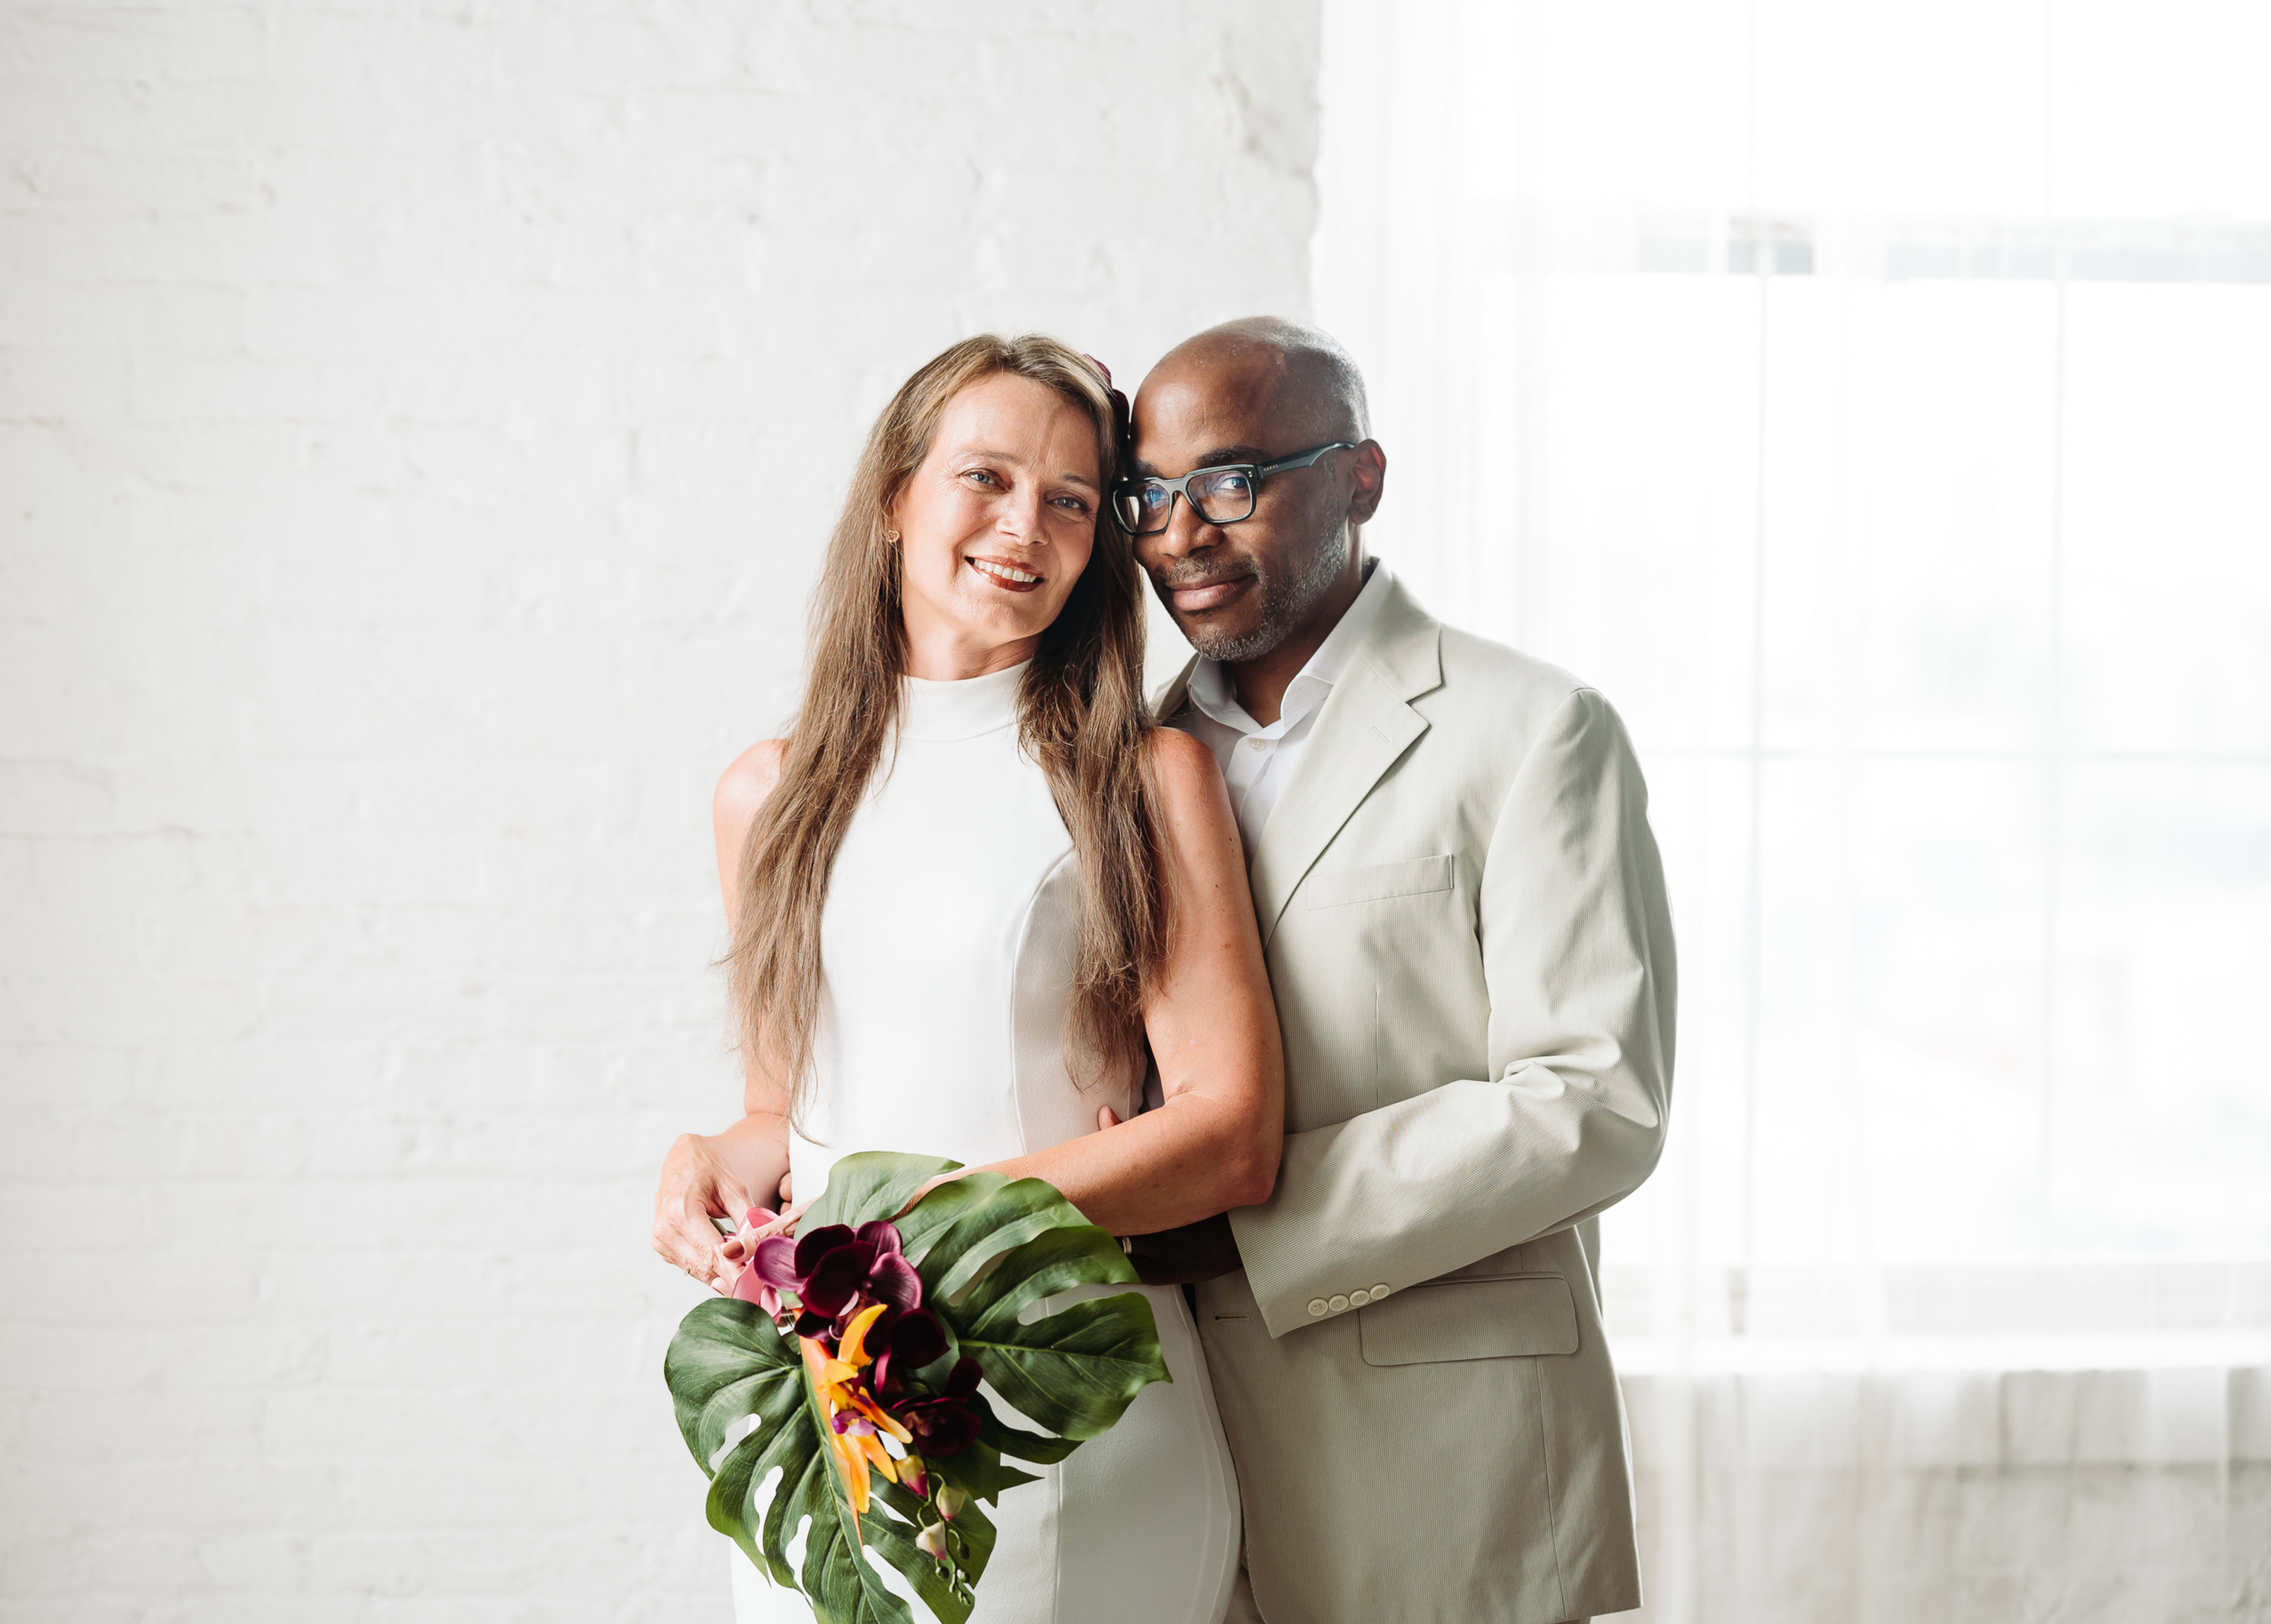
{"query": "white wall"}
[(417, 427)]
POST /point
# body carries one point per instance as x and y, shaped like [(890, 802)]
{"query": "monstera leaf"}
[(987, 1248), (727, 1363)]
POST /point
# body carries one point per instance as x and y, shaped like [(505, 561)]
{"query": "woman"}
[(966, 891)]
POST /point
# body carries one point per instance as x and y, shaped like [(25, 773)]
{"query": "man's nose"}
[(1185, 533)]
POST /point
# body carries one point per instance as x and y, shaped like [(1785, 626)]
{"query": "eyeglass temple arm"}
[(1302, 459)]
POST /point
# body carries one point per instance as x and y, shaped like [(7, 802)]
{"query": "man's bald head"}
[(1267, 587), (1311, 381)]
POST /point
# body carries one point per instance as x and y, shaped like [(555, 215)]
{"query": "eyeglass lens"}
[(1222, 496)]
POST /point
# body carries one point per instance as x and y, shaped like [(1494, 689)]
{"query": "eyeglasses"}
[(1220, 495)]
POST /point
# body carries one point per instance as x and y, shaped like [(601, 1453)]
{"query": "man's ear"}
[(1368, 470)]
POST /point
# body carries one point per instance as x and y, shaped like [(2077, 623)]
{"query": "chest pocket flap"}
[(1513, 1318), (1414, 878)]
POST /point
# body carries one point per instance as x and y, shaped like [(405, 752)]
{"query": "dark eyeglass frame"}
[(1131, 490)]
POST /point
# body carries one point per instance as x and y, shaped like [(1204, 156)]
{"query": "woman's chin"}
[(1000, 618), (976, 620)]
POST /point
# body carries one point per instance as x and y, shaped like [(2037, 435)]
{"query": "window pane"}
[(1900, 1067), (1637, 454), (2163, 1110), (2160, 110), (2168, 517), (1908, 479)]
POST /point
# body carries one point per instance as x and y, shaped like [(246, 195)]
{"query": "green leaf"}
[(1041, 1450), (726, 1363), (988, 1249), (978, 1471), (871, 1185), (1074, 1372)]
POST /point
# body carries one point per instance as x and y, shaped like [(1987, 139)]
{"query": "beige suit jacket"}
[(1464, 920)]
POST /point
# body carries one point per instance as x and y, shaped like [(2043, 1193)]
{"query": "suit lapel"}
[(1366, 726)]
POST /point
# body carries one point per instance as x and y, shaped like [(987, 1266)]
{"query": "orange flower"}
[(854, 1419), (853, 1348), (855, 1476)]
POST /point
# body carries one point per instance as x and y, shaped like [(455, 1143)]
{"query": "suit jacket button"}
[(1317, 1305), (1338, 1303), (1379, 1292)]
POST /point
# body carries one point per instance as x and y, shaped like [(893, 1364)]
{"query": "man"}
[(1464, 920)]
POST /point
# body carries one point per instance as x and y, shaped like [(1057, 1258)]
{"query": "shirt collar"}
[(1211, 689)]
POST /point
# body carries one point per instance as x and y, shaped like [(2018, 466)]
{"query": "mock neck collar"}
[(963, 710)]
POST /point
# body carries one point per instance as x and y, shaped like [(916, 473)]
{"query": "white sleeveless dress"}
[(948, 949)]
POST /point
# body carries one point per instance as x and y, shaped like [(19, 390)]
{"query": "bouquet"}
[(859, 1348)]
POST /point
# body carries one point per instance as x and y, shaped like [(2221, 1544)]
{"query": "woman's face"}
[(995, 525)]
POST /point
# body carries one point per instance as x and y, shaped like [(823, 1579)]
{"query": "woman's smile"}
[(1006, 576)]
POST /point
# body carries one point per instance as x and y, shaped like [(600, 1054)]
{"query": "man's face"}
[(1238, 591)]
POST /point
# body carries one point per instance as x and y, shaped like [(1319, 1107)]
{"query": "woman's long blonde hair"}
[(1081, 716)]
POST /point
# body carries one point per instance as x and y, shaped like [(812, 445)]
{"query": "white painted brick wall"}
[(418, 424)]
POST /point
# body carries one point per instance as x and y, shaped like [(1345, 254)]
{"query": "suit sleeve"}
[(1576, 938)]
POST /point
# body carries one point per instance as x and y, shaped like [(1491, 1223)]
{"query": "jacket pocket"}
[(1518, 1317), (1415, 878)]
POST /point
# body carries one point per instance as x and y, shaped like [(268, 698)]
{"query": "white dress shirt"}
[(1257, 761)]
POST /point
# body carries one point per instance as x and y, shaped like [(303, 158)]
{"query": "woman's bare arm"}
[(742, 1166), (1213, 1028)]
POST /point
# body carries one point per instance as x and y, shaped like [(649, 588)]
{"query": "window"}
[(1875, 403)]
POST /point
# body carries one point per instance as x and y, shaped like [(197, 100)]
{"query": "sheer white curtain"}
[(1875, 402)]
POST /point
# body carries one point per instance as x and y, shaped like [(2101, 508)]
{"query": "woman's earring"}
[(891, 536)]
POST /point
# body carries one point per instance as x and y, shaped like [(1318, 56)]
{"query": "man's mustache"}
[(1173, 579)]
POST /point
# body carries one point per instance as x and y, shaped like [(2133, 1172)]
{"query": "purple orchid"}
[(914, 1339), (948, 1424), (831, 1270), (752, 1284)]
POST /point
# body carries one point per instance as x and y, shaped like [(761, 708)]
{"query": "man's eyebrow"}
[(1220, 457)]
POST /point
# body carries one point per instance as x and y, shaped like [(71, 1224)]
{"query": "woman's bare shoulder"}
[(747, 783), (1184, 765), (1190, 781)]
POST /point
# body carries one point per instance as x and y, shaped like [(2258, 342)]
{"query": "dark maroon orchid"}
[(948, 1424), (831, 1270), (915, 1338)]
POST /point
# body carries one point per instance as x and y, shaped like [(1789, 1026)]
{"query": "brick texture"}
[(418, 424)]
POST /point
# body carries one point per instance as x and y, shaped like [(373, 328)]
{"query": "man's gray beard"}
[(1285, 606)]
